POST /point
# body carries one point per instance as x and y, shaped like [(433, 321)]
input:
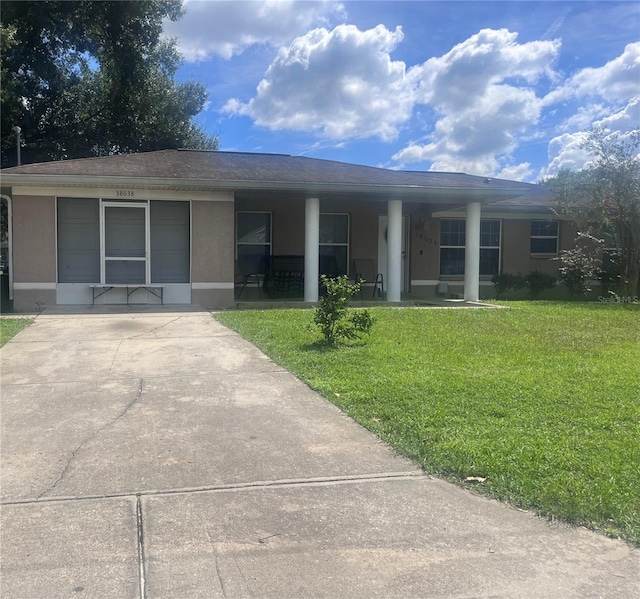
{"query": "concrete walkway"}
[(158, 455)]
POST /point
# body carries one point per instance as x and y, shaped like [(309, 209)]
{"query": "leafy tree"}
[(604, 198), (90, 78), (580, 265)]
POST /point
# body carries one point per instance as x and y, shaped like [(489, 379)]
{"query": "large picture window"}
[(544, 236), (452, 246), (334, 244), (253, 241)]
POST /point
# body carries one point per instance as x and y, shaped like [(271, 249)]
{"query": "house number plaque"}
[(125, 193)]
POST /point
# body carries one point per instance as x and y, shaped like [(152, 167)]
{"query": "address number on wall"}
[(125, 193)]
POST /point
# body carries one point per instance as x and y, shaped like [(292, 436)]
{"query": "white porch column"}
[(394, 250), (472, 253), (311, 248)]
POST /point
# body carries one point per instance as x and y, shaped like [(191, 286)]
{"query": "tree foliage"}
[(334, 318), (604, 200), (91, 78)]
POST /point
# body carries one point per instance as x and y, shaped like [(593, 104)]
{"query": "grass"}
[(10, 327), (542, 399)]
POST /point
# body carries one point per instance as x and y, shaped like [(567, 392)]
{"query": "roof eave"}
[(406, 191)]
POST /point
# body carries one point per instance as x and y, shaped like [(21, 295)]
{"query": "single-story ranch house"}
[(202, 227)]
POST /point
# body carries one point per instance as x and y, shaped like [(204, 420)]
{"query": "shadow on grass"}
[(321, 346)]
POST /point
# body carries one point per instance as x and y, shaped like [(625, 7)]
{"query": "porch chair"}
[(246, 277), (365, 269)]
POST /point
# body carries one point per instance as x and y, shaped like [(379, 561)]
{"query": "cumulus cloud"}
[(481, 90), (340, 83), (623, 120), (584, 117), (225, 28), (616, 80), (616, 85), (516, 172), (565, 153)]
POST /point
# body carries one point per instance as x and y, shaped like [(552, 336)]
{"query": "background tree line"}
[(93, 78)]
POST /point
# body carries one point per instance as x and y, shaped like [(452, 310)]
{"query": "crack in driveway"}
[(74, 453)]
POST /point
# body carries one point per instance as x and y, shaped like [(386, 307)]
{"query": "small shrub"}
[(333, 316), (504, 281), (537, 282)]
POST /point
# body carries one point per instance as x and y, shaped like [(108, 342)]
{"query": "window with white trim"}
[(334, 244), (452, 246), (544, 237), (253, 241)]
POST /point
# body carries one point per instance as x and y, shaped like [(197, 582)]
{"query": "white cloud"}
[(454, 81), (565, 153), (585, 117), (481, 92), (225, 28), (624, 120), (340, 84), (617, 80), (516, 172)]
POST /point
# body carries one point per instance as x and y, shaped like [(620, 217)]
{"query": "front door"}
[(125, 243), (382, 250)]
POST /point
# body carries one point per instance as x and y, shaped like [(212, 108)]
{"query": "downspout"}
[(18, 132), (9, 242)]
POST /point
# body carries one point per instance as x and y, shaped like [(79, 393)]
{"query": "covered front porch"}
[(284, 244)]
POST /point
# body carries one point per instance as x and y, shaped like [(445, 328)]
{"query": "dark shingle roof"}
[(238, 166)]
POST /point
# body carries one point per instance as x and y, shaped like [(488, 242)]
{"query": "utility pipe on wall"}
[(18, 131)]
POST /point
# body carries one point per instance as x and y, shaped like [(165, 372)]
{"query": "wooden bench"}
[(98, 290)]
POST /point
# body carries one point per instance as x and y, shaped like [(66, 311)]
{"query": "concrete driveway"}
[(158, 455)]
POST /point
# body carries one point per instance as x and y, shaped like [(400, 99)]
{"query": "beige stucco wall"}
[(34, 252), (212, 242), (212, 261), (33, 300), (516, 256), (34, 239)]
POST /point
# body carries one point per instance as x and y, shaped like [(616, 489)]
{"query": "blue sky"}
[(506, 89)]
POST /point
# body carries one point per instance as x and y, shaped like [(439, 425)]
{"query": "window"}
[(452, 246), (253, 241), (544, 236), (334, 244)]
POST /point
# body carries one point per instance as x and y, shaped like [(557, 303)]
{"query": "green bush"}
[(504, 281), (537, 282), (334, 317)]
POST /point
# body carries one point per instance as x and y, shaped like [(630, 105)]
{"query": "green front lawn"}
[(10, 327), (541, 399)]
